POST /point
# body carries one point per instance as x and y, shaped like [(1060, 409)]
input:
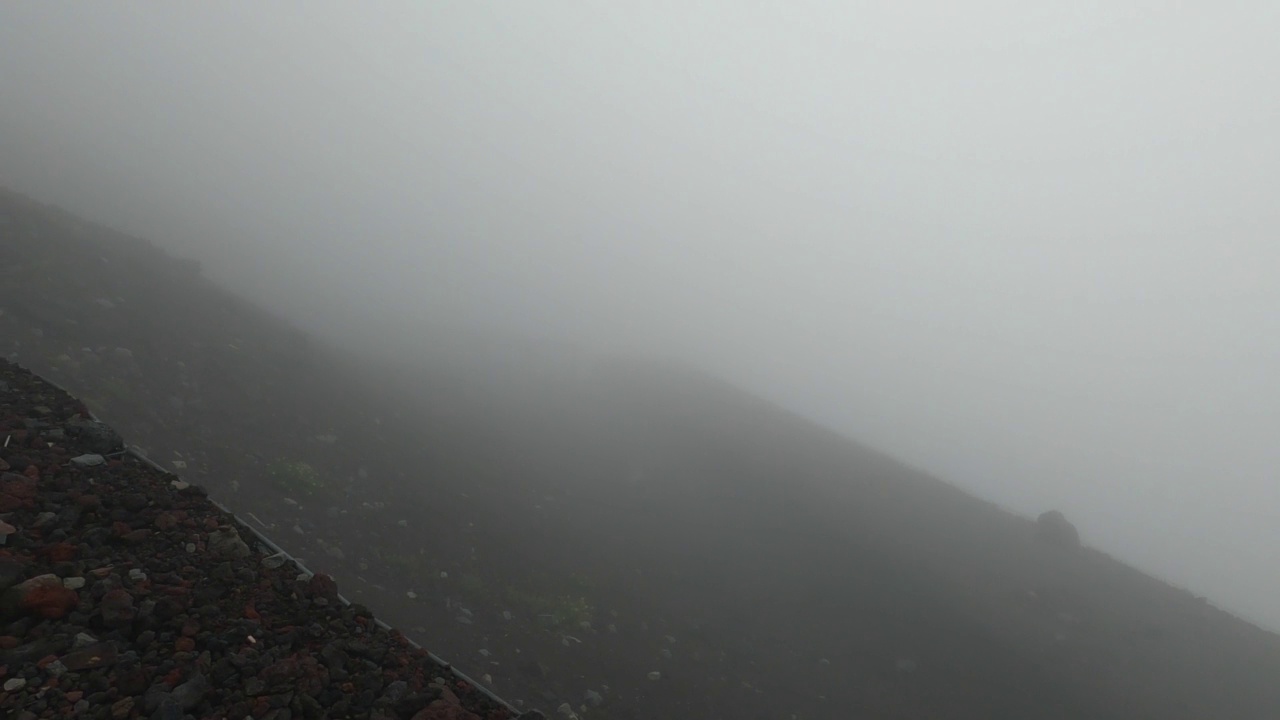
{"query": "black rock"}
[(154, 697), (190, 693), (169, 709), (12, 572)]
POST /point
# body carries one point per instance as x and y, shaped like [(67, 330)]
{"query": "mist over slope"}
[(586, 522)]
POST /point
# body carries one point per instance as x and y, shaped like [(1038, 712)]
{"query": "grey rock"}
[(169, 709), (97, 437), (226, 542), (395, 691)]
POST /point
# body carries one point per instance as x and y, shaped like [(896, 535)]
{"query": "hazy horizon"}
[(1025, 247)]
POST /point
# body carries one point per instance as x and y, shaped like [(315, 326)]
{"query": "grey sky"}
[(1028, 246)]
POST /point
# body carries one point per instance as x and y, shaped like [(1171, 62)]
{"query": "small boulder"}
[(1053, 528), (98, 438), (226, 542), (43, 596)]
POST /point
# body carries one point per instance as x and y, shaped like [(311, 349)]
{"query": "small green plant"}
[(117, 389), (472, 587), (552, 609), (296, 478), (410, 567)]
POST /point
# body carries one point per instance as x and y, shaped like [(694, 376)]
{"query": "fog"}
[(1029, 247)]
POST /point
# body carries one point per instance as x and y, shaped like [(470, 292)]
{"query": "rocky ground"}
[(126, 593)]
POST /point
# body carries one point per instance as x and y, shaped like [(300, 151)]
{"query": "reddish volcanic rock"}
[(61, 552), (19, 486), (88, 501), (44, 596), (323, 586), (117, 608)]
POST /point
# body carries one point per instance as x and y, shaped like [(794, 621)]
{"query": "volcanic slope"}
[(572, 528), (127, 593)]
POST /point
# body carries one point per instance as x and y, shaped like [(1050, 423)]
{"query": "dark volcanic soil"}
[(125, 593)]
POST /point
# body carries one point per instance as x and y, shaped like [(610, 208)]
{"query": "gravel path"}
[(126, 593)]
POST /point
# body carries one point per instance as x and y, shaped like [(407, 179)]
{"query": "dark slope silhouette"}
[(633, 520)]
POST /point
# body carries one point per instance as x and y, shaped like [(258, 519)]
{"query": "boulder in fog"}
[(1053, 528)]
